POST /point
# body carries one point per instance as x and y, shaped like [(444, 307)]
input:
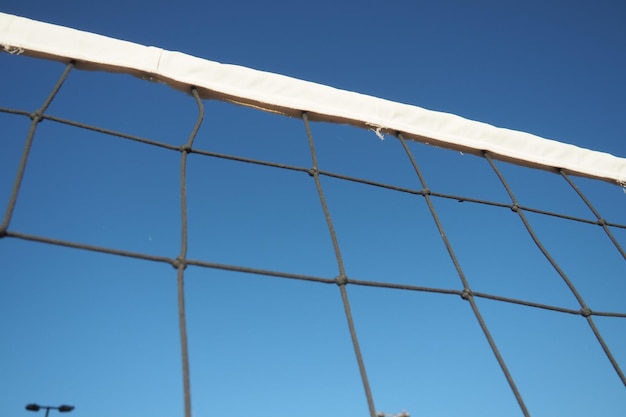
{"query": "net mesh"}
[(317, 267)]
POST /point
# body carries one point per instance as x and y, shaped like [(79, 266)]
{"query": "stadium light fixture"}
[(64, 408)]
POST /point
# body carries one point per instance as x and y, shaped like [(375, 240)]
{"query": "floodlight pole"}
[(62, 408)]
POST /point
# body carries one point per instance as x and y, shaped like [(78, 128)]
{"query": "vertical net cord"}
[(181, 262), (584, 311), (36, 117), (601, 221), (342, 279), (467, 292)]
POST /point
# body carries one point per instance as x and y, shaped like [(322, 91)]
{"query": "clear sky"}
[(100, 332)]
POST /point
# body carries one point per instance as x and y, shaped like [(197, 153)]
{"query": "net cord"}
[(36, 117), (181, 262), (467, 292), (584, 309), (601, 221), (342, 278), (460, 199)]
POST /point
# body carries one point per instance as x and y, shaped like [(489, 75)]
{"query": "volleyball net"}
[(344, 251)]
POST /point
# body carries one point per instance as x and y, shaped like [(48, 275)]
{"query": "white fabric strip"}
[(291, 96)]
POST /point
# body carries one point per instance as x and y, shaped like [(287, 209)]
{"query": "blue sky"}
[(100, 332)]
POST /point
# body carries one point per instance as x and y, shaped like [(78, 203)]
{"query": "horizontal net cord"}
[(175, 262), (277, 93), (461, 199)]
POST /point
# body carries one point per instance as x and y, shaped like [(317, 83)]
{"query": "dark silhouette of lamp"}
[(62, 408)]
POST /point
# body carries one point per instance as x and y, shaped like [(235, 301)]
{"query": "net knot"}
[(425, 191), (515, 207), (185, 148), (341, 280), (602, 222), (585, 312), (36, 116), (178, 262), (313, 172), (466, 294)]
